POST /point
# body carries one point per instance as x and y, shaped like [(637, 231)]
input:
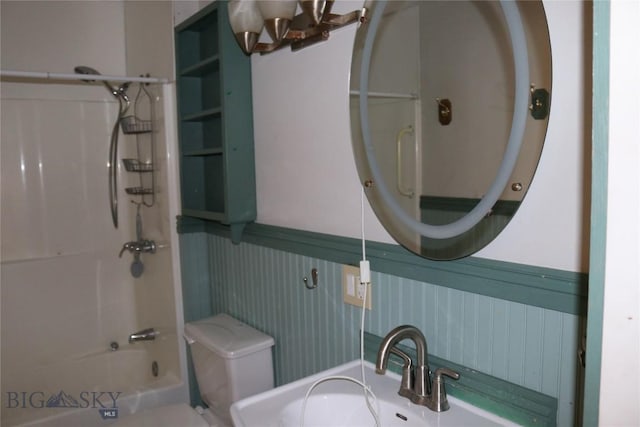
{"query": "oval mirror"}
[(449, 111)]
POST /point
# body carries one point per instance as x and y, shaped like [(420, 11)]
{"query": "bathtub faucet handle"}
[(129, 246)]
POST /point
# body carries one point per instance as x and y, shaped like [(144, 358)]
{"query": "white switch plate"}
[(352, 289)]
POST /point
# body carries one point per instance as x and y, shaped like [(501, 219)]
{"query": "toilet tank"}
[(231, 359)]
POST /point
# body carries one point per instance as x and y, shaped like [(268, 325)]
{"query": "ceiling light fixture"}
[(249, 17)]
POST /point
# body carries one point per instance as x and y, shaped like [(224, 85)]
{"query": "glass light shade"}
[(245, 16), (284, 9)]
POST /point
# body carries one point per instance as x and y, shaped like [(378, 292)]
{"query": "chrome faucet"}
[(416, 383), (138, 247), (148, 334)]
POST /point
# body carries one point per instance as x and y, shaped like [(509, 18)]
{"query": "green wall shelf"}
[(202, 115), (217, 165)]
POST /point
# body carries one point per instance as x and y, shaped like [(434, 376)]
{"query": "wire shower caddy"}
[(141, 124)]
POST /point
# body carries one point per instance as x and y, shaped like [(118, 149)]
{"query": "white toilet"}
[(232, 361)]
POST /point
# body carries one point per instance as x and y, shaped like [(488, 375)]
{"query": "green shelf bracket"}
[(236, 232)]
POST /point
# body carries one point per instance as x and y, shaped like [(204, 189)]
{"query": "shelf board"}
[(210, 215), (202, 115), (203, 152), (202, 68)]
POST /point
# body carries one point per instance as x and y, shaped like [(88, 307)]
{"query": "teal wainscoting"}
[(196, 292), (194, 260), (516, 403), (528, 345)]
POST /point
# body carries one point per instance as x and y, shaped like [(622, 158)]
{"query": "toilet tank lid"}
[(226, 336)]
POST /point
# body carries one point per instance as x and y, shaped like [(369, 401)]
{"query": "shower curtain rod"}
[(85, 77)]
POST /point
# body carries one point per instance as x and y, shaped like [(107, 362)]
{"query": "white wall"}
[(88, 34), (306, 175), (305, 172), (183, 9), (620, 374)]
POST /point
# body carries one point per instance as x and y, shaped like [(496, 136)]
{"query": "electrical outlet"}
[(352, 289)]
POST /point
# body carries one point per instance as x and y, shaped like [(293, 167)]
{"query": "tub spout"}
[(148, 334)]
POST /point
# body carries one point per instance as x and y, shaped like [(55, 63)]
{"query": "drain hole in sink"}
[(402, 417)]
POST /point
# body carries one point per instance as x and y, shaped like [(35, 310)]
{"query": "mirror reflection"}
[(433, 128)]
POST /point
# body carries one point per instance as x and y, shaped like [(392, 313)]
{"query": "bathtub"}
[(127, 384)]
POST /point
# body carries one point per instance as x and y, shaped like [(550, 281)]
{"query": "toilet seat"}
[(178, 415)]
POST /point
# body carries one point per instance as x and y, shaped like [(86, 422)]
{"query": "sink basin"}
[(342, 403), (340, 409)]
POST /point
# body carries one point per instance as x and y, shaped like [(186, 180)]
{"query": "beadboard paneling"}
[(530, 346), (196, 293)]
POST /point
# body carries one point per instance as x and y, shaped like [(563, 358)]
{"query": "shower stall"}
[(69, 302)]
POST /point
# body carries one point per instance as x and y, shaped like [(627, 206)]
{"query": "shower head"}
[(83, 69)]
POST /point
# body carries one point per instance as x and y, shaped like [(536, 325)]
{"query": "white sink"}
[(342, 403)]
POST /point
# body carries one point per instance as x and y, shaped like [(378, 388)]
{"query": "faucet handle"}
[(448, 372), (406, 384), (126, 247), (439, 402)]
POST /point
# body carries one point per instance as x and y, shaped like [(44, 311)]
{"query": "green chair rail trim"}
[(462, 204), (511, 401), (548, 288)]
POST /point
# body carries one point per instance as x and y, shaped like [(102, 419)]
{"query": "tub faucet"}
[(139, 246), (148, 334), (416, 384)]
